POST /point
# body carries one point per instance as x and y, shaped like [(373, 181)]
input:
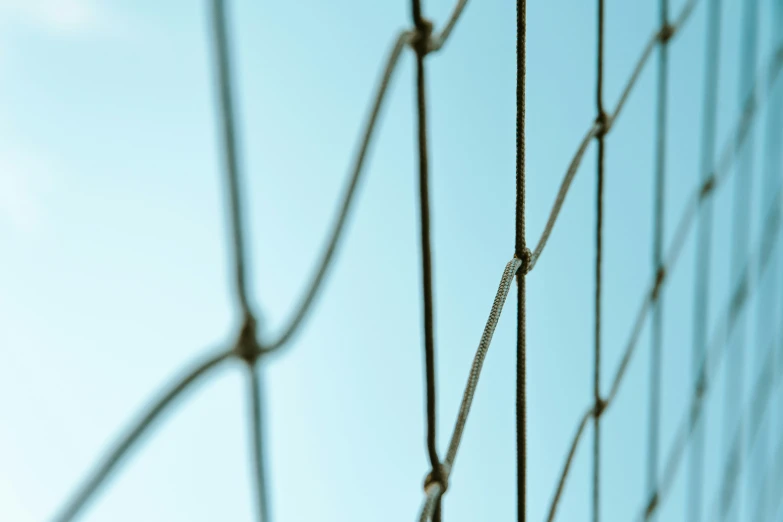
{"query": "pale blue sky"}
[(114, 270)]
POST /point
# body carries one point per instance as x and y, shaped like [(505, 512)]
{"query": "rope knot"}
[(246, 347), (659, 277), (600, 407), (604, 122), (441, 478), (421, 37), (526, 259), (651, 505), (666, 33), (707, 187)]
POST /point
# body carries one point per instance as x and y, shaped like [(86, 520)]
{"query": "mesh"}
[(710, 350)]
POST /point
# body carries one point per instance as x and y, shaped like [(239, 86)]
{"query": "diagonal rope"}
[(703, 192), (596, 127), (754, 268), (434, 489), (766, 383), (247, 348), (423, 41), (98, 477), (403, 39), (436, 42)]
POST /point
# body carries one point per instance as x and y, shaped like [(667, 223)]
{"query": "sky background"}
[(115, 273)]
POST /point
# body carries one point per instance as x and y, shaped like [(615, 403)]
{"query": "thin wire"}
[(435, 488), (704, 235), (598, 407), (659, 192), (230, 154), (521, 252), (595, 128), (257, 438), (133, 433), (703, 192)]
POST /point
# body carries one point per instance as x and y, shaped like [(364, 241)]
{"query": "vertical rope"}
[(774, 139), (257, 436), (768, 300), (247, 347), (659, 194), (602, 118), (740, 246), (230, 154), (703, 250), (423, 30), (520, 250)]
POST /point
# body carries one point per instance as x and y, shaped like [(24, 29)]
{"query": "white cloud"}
[(65, 17)]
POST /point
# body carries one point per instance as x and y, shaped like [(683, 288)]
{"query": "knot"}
[(600, 407), (421, 37), (441, 478), (526, 259), (246, 347), (603, 122), (707, 187), (651, 506), (659, 277), (665, 34)]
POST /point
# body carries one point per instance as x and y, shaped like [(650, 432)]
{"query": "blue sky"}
[(115, 274)]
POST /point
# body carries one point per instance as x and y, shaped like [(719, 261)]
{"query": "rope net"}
[(748, 265)]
